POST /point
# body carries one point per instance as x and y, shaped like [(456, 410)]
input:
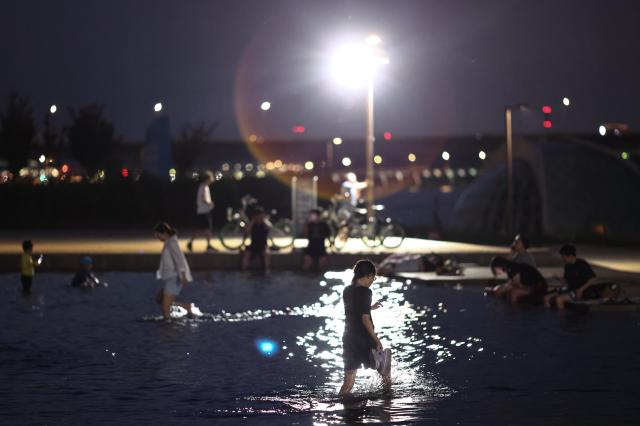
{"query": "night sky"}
[(454, 64)]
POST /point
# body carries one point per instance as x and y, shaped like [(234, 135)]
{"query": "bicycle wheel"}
[(232, 235), (369, 240), (341, 237), (392, 235), (281, 234)]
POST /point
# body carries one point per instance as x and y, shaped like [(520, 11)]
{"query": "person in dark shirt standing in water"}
[(258, 229), (317, 231), (360, 343), (579, 278), (524, 280)]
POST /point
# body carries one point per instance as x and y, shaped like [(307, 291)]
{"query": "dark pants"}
[(26, 283)]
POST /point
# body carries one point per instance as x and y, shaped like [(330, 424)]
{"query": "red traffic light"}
[(546, 109), (298, 129), (547, 124), (387, 136)]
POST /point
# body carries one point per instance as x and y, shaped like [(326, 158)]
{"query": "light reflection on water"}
[(409, 330)]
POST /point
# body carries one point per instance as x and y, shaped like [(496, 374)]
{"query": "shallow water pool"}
[(104, 356)]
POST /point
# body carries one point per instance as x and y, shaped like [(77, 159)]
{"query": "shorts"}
[(315, 250), (172, 286), (204, 221), (356, 351), (27, 281)]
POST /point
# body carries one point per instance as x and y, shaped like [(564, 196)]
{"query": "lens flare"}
[(267, 347)]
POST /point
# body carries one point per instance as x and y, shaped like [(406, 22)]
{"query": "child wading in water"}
[(174, 270), (360, 343), (28, 266)]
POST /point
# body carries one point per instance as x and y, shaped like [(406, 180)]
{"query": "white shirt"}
[(203, 201), (172, 261)]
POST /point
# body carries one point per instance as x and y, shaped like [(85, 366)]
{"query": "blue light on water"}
[(267, 347)]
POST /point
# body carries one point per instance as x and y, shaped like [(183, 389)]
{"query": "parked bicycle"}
[(348, 222), (233, 235)]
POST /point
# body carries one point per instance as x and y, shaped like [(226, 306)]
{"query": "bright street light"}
[(602, 130), (482, 155), (265, 106), (53, 109), (445, 155), (566, 102), (157, 107), (346, 161), (337, 141), (355, 65)]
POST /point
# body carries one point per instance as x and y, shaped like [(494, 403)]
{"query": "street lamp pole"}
[(369, 151), (509, 136)]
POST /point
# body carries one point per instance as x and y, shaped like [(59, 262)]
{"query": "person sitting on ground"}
[(524, 280), (579, 278), (85, 278), (258, 229), (519, 253), (317, 231), (174, 271)]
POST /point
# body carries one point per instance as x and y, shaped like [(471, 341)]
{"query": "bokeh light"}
[(267, 347), (346, 161), (157, 107), (265, 106), (445, 155), (482, 155)]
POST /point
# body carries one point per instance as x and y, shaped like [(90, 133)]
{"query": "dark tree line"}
[(90, 138)]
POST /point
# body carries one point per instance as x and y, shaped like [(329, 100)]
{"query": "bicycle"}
[(233, 234), (385, 232)]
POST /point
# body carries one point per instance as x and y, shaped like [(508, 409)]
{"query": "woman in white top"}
[(174, 270), (204, 207)]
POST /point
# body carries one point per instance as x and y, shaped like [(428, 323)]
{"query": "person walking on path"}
[(174, 270), (204, 208), (360, 342)]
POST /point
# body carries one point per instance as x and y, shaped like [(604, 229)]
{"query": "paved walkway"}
[(131, 242)]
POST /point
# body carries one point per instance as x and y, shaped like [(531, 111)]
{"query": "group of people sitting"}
[(526, 284)]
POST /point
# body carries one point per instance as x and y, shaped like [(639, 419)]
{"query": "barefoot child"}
[(258, 229), (361, 345), (174, 270)]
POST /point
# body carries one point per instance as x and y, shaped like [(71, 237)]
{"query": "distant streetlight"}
[(482, 155), (41, 159), (377, 159), (411, 157), (53, 109), (337, 141), (355, 65), (265, 106), (445, 155), (157, 107), (308, 165), (346, 161), (509, 136), (602, 130), (566, 102)]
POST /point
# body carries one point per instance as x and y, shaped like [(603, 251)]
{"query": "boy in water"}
[(258, 229), (317, 231), (524, 280), (579, 278), (28, 266), (85, 278), (361, 345)]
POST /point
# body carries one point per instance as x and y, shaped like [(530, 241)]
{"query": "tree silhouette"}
[(91, 138), (17, 132), (189, 143)]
